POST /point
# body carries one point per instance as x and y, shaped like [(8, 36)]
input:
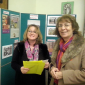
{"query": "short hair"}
[(67, 18), (39, 39)]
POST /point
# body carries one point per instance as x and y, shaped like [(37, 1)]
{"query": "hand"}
[(24, 70), (58, 75), (53, 72), (46, 65)]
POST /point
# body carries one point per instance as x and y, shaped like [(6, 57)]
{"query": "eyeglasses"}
[(32, 32), (65, 25)]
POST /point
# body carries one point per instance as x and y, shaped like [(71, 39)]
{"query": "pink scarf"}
[(32, 55)]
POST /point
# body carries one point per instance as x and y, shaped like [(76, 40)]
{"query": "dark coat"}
[(19, 56), (73, 62)]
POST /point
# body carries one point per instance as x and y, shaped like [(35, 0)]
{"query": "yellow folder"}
[(36, 67)]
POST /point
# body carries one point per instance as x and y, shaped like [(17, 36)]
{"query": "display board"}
[(12, 27), (9, 34), (50, 28)]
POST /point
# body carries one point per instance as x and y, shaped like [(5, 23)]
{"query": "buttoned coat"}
[(73, 62)]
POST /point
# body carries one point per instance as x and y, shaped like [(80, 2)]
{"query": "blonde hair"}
[(39, 39)]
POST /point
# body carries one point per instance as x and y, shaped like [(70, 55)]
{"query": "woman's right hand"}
[(53, 71), (24, 70)]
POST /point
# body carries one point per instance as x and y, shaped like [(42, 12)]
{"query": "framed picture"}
[(6, 51), (4, 4), (50, 31), (0, 1), (67, 7), (52, 20)]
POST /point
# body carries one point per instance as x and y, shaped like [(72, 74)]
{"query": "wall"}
[(47, 7), (54, 7), (23, 6)]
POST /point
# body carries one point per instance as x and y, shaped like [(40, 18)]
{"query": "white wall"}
[(54, 7), (23, 6), (48, 7)]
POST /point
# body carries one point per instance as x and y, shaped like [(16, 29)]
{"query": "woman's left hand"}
[(46, 65), (59, 75)]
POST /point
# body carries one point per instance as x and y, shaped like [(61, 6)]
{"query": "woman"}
[(30, 49), (68, 57)]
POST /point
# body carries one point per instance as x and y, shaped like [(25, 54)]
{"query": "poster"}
[(52, 20), (36, 22), (33, 16), (6, 51), (67, 7), (14, 30), (50, 31), (5, 24), (50, 44)]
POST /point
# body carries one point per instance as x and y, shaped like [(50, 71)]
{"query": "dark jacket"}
[(19, 56)]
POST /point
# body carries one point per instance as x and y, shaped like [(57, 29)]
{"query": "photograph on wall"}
[(36, 22), (50, 45), (6, 51), (67, 7), (50, 31), (5, 24), (14, 30), (52, 20)]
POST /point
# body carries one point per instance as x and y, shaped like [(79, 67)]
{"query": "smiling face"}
[(65, 29), (32, 34)]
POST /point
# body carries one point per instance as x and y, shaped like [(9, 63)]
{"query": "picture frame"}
[(0, 1), (52, 20), (50, 31), (4, 4), (6, 51), (67, 7)]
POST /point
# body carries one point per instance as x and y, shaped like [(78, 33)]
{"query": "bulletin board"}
[(50, 28), (12, 27), (6, 33), (8, 22)]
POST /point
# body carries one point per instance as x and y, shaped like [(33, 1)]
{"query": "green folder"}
[(36, 67)]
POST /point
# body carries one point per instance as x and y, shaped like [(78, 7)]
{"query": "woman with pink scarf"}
[(30, 49)]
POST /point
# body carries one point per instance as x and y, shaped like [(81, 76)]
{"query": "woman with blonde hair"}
[(30, 49)]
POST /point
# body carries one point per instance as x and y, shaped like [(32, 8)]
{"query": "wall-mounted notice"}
[(36, 22), (6, 51), (52, 20), (14, 31), (50, 44), (50, 31), (5, 24), (33, 16)]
